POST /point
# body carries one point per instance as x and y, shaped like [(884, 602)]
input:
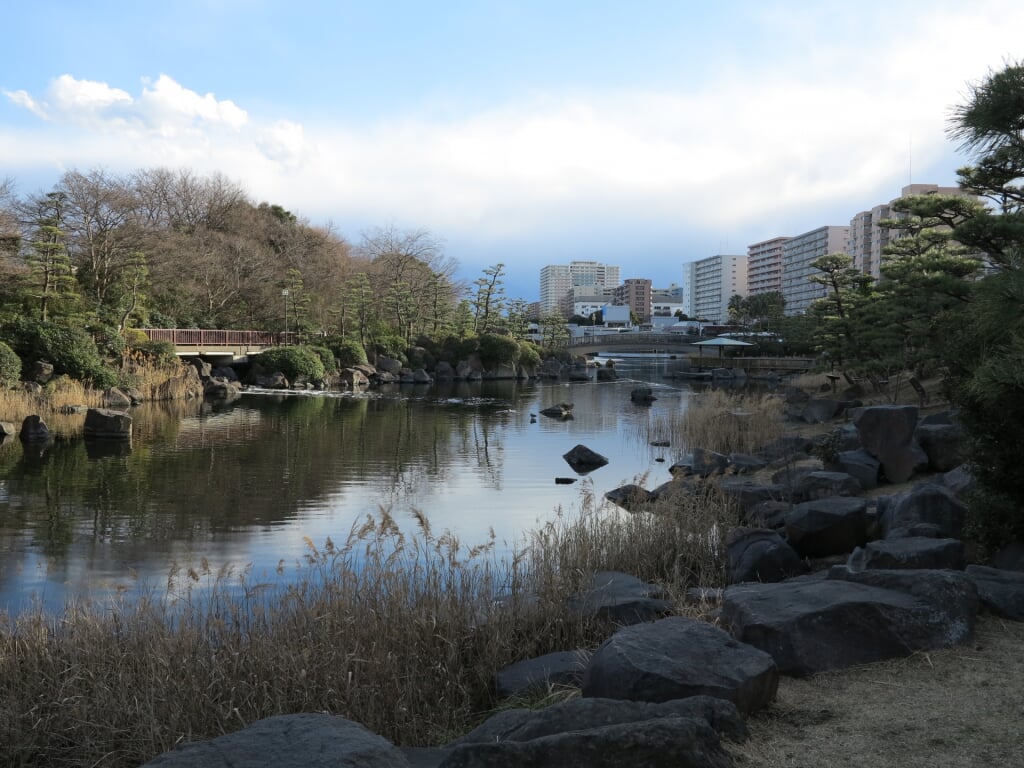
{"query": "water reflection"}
[(248, 482)]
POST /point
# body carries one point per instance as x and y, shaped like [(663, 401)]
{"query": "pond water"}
[(253, 482)]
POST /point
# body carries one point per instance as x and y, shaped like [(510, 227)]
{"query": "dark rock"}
[(584, 460), (925, 503), (560, 668), (585, 713), (785, 447), (353, 378), (886, 432), (960, 480), (565, 480), (216, 388), (389, 365), (560, 411), (34, 430), (609, 374), (911, 552), (1001, 592), (745, 464), (860, 465), (420, 376), (642, 395), (758, 554), (679, 657), (667, 742), (660, 443), (940, 417), (630, 497), (942, 444), (41, 372), (203, 368), (768, 514), (811, 625), (289, 741), (822, 485), (225, 372), (103, 423), (701, 462), (116, 398), (620, 598), (443, 371), (817, 411), (747, 493), (829, 526)]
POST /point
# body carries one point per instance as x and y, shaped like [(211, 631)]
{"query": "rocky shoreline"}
[(824, 573)]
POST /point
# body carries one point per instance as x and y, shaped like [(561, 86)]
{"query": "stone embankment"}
[(820, 577)]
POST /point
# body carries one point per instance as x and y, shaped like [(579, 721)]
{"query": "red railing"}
[(200, 338)]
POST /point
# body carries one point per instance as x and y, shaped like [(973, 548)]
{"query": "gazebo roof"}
[(723, 341)]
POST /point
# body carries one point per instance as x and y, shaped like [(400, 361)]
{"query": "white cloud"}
[(69, 95), (169, 108), (25, 100)]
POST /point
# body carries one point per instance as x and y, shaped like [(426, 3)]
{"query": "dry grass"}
[(945, 709), (723, 422), (16, 405), (402, 634), (156, 380)]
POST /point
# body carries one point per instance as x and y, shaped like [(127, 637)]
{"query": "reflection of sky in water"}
[(491, 469)]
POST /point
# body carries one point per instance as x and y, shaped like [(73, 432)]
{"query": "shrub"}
[(529, 356), (391, 346), (293, 362), (160, 352), (498, 350), (348, 352), (326, 357), (70, 350), (10, 366)]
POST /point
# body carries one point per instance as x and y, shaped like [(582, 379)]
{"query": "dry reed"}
[(723, 422), (401, 633)]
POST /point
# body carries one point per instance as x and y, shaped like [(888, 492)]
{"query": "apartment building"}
[(557, 280), (867, 239), (764, 266), (712, 282), (635, 293), (797, 254)]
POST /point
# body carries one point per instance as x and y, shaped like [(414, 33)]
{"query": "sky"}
[(645, 134)]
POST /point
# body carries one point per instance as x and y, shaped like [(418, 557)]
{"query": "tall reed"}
[(723, 422), (402, 633)]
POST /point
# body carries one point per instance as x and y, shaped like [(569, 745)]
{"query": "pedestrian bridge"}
[(634, 342), (197, 342)]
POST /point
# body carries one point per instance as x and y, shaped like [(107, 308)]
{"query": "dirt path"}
[(945, 709)]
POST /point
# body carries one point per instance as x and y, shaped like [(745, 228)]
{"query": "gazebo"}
[(721, 342)]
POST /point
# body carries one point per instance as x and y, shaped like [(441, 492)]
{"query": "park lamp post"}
[(284, 294)]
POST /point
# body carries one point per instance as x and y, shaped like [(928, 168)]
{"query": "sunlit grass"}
[(402, 632)]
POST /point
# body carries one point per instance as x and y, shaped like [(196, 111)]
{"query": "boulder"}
[(786, 447), (389, 365), (887, 432), (584, 460), (217, 388), (203, 368), (860, 465), (746, 493), (927, 503), (225, 372), (679, 657), (529, 675), (830, 526), (559, 411), (942, 444), (116, 398), (289, 741), (745, 464), (353, 378), (759, 554), (916, 552), (1010, 557), (630, 497), (821, 485), (34, 430), (443, 371), (108, 424), (960, 481), (667, 742), (701, 462), (620, 598), (551, 368), (818, 411), (768, 514), (609, 374), (420, 376), (815, 624), (580, 714), (1001, 592), (41, 372), (643, 395)]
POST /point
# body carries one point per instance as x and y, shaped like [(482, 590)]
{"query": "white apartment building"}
[(712, 282), (867, 239), (764, 266), (557, 280), (797, 254)]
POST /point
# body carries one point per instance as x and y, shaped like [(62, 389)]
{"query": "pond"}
[(253, 483)]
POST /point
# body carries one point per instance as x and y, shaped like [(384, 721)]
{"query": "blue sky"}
[(645, 134)]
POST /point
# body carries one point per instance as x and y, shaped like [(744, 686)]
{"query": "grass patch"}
[(401, 633), (721, 421)]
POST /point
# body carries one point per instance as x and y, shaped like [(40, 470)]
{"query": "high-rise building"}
[(557, 280), (797, 254), (712, 282), (868, 239), (764, 266), (635, 293)]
